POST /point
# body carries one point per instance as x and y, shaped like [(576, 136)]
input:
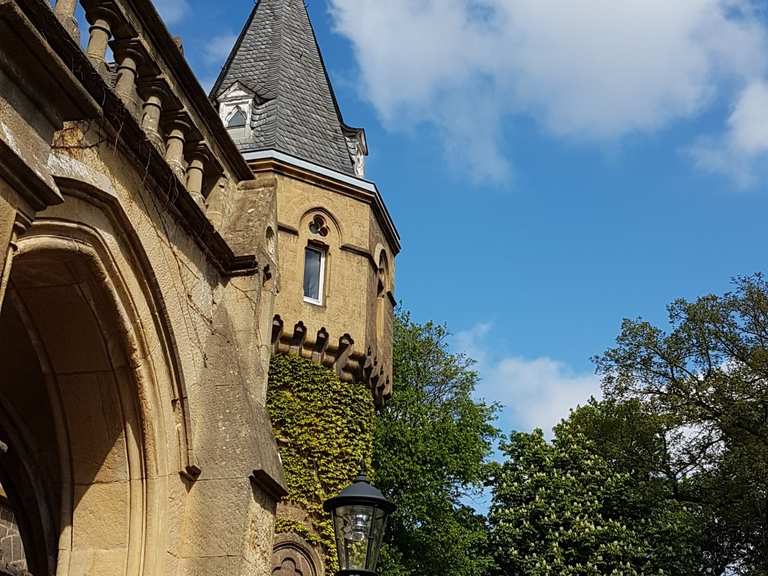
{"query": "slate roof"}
[(278, 58)]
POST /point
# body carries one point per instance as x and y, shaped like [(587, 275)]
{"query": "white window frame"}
[(321, 284), (236, 96)]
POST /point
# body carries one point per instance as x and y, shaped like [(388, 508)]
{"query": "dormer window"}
[(238, 119), (236, 108)]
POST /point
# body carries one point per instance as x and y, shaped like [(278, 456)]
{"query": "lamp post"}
[(359, 516)]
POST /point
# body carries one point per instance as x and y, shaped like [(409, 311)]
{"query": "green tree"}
[(591, 502), (431, 446), (708, 379)]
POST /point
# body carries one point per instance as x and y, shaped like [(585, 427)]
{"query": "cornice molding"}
[(363, 190)]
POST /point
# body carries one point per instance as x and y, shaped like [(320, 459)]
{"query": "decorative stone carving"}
[(293, 556), (357, 145), (318, 226)]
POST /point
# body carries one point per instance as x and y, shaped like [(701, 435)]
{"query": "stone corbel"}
[(200, 162), (179, 128), (321, 345), (102, 21), (346, 345), (154, 90), (299, 335), (65, 12)]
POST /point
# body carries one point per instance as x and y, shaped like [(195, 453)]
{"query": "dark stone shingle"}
[(277, 57)]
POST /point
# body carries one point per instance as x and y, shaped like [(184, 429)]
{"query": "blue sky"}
[(553, 166)]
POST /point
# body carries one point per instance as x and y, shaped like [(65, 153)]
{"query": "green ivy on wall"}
[(324, 428)]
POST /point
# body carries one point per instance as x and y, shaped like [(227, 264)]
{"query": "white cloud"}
[(218, 48), (207, 83), (172, 11), (742, 151), (535, 393), (590, 70), (539, 393)]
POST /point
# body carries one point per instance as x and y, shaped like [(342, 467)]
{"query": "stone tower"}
[(336, 240)]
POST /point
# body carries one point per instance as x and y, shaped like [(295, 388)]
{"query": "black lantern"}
[(359, 517)]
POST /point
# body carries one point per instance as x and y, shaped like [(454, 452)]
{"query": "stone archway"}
[(75, 464), (95, 436)]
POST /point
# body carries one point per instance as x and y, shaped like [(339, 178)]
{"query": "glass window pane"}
[(376, 539), (313, 259), (237, 120)]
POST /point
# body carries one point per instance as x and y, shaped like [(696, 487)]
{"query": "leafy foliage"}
[(708, 379), (589, 503), (324, 428), (432, 441)]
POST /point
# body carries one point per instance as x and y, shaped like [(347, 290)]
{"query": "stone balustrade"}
[(146, 78)]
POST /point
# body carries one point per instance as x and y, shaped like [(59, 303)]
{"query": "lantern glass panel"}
[(353, 527), (377, 537)]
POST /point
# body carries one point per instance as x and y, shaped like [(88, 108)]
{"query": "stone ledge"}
[(274, 488)]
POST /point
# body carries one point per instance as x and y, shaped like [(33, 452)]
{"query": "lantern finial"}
[(363, 475)]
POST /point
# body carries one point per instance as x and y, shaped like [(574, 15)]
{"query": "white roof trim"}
[(359, 183), (316, 168)]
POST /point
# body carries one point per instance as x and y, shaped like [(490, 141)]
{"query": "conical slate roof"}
[(277, 57)]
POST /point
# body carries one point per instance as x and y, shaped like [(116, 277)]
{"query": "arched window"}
[(382, 298), (315, 261), (237, 120)]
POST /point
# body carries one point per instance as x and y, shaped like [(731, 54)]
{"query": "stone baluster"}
[(174, 145), (65, 12), (198, 160), (100, 32), (154, 98), (129, 57)]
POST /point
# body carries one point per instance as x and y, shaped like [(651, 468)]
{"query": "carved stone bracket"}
[(342, 358)]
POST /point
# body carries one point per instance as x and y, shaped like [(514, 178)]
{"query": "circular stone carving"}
[(318, 226)]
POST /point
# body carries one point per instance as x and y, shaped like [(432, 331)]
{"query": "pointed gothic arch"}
[(101, 412)]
